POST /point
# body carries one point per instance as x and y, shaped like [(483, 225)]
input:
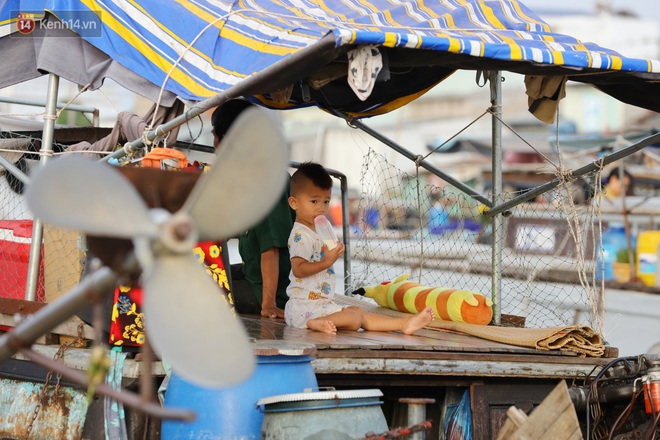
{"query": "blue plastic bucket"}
[(232, 412)]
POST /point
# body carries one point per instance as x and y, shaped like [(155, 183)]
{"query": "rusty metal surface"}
[(61, 415), (11, 306)]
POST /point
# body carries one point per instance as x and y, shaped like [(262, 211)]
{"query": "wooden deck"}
[(435, 366), (431, 354), (431, 366)]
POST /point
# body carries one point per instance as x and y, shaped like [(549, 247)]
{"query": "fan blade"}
[(88, 196), (189, 323), (245, 181)]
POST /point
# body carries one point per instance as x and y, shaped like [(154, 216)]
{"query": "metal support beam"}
[(46, 152), (416, 413), (345, 227), (593, 166), (72, 107), (495, 79), (10, 167), (415, 158), (254, 84)]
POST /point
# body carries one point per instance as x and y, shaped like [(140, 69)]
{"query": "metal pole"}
[(593, 166), (10, 167), (259, 82), (498, 220), (626, 220), (416, 413), (73, 107), (345, 228), (415, 158), (346, 231), (46, 152), (90, 289)]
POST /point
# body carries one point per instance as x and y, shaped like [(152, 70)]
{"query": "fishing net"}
[(416, 224), (62, 258)]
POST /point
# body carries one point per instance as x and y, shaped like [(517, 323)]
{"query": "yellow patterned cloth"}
[(127, 326)]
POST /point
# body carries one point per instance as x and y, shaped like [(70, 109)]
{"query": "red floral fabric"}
[(127, 326)]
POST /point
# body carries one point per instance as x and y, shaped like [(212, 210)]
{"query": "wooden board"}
[(63, 261), (72, 327), (553, 419)]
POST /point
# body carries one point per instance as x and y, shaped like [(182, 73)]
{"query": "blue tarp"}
[(198, 48)]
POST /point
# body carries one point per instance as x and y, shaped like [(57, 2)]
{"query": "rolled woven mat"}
[(580, 339)]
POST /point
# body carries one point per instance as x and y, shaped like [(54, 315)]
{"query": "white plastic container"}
[(325, 231)]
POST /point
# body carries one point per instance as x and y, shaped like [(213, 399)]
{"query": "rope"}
[(421, 221), (183, 54), (459, 132), (565, 177), (145, 139), (80, 92), (43, 114), (112, 104), (546, 158)]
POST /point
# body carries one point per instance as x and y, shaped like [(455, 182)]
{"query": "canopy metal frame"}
[(280, 73), (305, 60)]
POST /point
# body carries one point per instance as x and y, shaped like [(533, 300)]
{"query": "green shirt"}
[(272, 231)]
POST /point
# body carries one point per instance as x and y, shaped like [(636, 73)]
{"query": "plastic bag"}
[(458, 419)]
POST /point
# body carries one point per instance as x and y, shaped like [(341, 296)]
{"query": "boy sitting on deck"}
[(312, 278)]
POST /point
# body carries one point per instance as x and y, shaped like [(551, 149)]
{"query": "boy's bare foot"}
[(418, 321), (322, 325)]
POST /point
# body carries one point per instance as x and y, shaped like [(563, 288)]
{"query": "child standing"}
[(312, 279)]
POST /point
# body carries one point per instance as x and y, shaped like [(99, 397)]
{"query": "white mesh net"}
[(410, 224), (62, 256)]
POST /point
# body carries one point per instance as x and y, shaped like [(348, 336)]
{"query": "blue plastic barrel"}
[(231, 412)]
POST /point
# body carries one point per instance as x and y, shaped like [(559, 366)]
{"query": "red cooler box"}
[(15, 239)]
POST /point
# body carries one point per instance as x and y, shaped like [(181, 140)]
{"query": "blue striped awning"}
[(198, 48)]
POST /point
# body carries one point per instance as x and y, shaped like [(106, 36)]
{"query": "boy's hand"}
[(272, 312), (331, 255)]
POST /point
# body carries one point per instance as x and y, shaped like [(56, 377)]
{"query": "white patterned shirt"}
[(306, 244)]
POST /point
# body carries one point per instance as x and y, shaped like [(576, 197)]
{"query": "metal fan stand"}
[(164, 251), (89, 290)]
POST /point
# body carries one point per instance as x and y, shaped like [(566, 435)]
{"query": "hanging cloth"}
[(544, 94), (129, 127)]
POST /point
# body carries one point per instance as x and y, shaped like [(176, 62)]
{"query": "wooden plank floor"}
[(428, 352), (425, 339)]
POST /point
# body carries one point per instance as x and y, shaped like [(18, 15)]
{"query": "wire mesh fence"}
[(551, 272), (62, 252), (400, 223)]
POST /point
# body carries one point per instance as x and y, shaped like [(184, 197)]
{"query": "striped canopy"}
[(195, 49)]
